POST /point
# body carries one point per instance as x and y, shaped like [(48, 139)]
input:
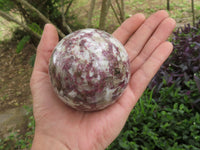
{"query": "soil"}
[(15, 73)]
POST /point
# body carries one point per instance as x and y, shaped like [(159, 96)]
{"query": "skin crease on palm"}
[(61, 127)]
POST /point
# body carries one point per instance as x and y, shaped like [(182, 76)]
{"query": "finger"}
[(142, 35), (47, 44), (141, 78), (161, 34), (128, 27)]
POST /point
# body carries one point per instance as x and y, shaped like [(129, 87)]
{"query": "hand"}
[(61, 127)]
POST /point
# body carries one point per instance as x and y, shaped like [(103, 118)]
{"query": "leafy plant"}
[(7, 3), (161, 126), (35, 27), (22, 43), (184, 62)]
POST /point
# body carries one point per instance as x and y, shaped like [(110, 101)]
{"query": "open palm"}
[(61, 127)]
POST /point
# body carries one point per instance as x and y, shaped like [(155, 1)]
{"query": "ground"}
[(15, 72)]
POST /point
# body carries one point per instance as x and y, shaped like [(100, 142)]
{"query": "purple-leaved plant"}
[(184, 61)]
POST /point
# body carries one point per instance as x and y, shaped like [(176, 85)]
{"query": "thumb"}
[(47, 44)]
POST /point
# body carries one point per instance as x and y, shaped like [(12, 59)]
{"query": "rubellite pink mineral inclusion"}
[(89, 69)]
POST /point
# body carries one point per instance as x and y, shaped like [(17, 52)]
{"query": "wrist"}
[(45, 142)]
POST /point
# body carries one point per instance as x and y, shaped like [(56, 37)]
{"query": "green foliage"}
[(22, 43), (35, 28), (6, 5), (51, 10), (15, 140), (48, 8), (171, 124)]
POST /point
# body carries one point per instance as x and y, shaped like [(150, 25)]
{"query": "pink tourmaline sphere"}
[(89, 69)]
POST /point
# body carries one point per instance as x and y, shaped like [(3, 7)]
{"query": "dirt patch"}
[(15, 72), (13, 120)]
